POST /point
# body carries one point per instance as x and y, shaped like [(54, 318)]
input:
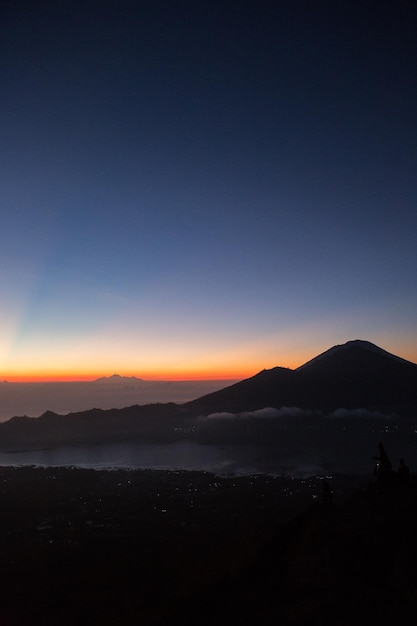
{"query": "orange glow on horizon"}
[(62, 378), (152, 376), (174, 374)]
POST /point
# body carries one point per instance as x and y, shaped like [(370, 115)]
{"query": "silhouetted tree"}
[(326, 493), (383, 468), (403, 471)]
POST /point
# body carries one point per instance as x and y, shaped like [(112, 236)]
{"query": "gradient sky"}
[(203, 188)]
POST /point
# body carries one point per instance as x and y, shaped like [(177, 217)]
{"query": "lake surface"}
[(187, 455), (221, 460)]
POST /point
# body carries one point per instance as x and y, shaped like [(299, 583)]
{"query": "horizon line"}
[(81, 378), (236, 373)]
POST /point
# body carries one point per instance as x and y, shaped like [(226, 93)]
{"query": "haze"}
[(33, 399)]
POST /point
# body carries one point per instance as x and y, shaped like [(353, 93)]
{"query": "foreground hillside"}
[(156, 548), (335, 565), (131, 547)]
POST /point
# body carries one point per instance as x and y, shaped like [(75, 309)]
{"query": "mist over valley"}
[(113, 392)]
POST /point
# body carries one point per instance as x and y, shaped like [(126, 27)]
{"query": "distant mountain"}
[(357, 374), (115, 378)]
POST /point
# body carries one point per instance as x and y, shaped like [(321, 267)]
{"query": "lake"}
[(185, 455), (192, 456)]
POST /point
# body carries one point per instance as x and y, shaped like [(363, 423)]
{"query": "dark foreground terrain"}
[(157, 547)]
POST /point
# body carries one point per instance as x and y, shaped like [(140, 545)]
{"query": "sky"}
[(204, 189)]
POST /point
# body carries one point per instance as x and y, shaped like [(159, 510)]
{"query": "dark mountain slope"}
[(333, 564), (148, 423), (357, 374), (262, 390)]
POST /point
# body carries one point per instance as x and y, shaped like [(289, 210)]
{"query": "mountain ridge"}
[(116, 378), (354, 379), (354, 343), (357, 374)]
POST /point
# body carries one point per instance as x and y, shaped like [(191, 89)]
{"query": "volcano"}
[(357, 374)]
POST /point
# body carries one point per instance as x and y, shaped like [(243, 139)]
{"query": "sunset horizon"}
[(232, 373), (204, 190)]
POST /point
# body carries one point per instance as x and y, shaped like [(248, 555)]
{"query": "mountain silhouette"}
[(357, 374), (116, 378), (353, 378)]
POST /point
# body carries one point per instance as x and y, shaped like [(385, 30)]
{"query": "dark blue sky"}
[(207, 187)]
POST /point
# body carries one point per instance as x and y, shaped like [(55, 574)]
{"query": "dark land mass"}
[(156, 548), (342, 398), (149, 423), (354, 375)]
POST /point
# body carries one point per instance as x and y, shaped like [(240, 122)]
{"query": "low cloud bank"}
[(269, 413), (34, 399), (265, 413)]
